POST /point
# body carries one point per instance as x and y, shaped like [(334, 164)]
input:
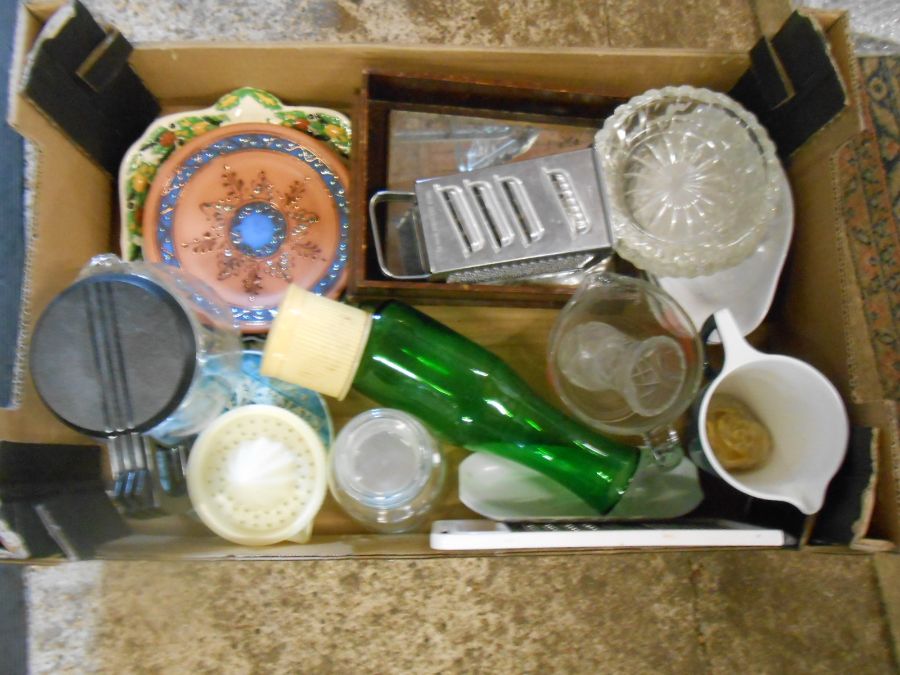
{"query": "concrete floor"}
[(712, 612), (758, 612)]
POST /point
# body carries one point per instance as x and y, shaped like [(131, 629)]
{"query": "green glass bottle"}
[(403, 359)]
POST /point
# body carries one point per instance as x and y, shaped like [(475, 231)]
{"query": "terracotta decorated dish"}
[(170, 132), (250, 209)]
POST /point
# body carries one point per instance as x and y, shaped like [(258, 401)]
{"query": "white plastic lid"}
[(257, 476)]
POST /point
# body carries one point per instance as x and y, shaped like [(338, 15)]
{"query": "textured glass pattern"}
[(692, 181)]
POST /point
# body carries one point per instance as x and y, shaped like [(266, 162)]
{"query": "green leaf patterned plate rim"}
[(161, 138)]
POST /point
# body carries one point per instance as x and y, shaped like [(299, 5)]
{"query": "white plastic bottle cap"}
[(257, 475), (316, 343)]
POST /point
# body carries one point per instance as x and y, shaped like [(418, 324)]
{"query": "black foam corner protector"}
[(13, 620), (802, 49), (845, 499), (32, 475), (765, 85), (106, 62), (79, 522), (793, 85), (748, 93), (807, 112), (769, 73), (80, 78), (31, 537), (29, 470)]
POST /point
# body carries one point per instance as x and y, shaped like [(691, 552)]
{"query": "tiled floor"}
[(720, 612)]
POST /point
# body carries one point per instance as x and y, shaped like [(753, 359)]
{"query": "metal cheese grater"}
[(533, 217)]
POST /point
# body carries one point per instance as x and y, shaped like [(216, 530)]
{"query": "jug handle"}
[(737, 350)]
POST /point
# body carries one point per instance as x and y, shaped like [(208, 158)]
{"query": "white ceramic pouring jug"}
[(801, 409)]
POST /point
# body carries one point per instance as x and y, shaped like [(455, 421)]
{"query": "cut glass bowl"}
[(692, 180)]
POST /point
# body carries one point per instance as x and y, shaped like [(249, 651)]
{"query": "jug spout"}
[(809, 502)]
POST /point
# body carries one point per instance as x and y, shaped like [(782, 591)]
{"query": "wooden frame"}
[(384, 92)]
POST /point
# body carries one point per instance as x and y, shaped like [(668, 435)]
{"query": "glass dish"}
[(692, 181)]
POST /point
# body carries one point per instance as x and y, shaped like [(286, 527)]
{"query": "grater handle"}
[(374, 201)]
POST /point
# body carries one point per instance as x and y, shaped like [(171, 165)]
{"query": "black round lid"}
[(113, 353)]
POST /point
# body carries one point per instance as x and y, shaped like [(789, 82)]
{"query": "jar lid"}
[(113, 353)]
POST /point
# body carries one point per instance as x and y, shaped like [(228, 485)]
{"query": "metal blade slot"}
[(524, 212), (521, 209), (492, 216), (564, 189), (461, 217)]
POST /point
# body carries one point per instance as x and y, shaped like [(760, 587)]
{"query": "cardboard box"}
[(817, 316)]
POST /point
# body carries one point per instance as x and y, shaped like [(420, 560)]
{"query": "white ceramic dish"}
[(748, 288)]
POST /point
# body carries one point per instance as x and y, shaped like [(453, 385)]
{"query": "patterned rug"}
[(870, 187)]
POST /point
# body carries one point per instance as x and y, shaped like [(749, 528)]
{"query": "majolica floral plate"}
[(250, 209), (168, 133)]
